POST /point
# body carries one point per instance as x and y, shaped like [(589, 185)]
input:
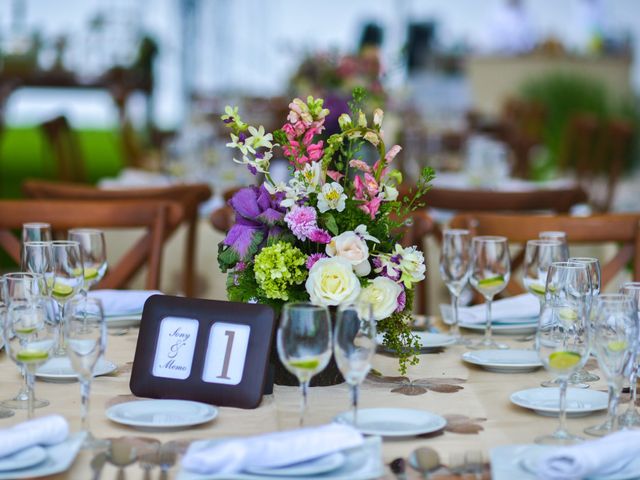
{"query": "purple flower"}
[(320, 236), (402, 300), (313, 258), (386, 267), (302, 221)]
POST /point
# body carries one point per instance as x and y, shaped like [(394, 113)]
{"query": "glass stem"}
[(85, 388), (562, 426), (354, 403), (304, 386), (23, 394), (633, 386), (60, 344), (613, 405), (30, 394), (454, 330), (487, 330)]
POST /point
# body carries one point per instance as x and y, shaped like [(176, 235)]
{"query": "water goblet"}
[(37, 257), (631, 417), (354, 346), (36, 232), (562, 339), (304, 344), (455, 269), (4, 412), (538, 257), (559, 237), (94, 254), (85, 334), (490, 272), (615, 336)]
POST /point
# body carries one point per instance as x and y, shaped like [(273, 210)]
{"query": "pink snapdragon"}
[(360, 165), (335, 176), (315, 151), (371, 185), (371, 207)]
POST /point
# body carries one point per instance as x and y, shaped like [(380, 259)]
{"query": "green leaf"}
[(330, 222)]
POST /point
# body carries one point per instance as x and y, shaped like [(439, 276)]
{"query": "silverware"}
[(166, 459), (474, 461), (97, 463), (424, 460), (399, 467), (149, 459), (121, 454)]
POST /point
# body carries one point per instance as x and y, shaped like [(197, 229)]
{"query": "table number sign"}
[(204, 350)]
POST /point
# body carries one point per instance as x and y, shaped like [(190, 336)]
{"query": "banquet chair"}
[(155, 217), (65, 148), (189, 196), (623, 229)]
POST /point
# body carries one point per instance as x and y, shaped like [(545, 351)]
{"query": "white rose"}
[(382, 293), (351, 247), (331, 281)]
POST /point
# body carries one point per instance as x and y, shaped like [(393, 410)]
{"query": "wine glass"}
[(85, 333), (37, 257), (538, 257), (304, 343), (562, 339), (22, 285), (36, 232), (557, 236), (593, 265), (94, 254), (490, 272), (68, 277), (455, 269), (354, 346), (30, 332), (615, 335), (4, 412), (631, 418)]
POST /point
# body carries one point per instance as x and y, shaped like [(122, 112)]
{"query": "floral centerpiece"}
[(330, 234)]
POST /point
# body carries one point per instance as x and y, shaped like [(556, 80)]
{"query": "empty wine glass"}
[(615, 335), (19, 286), (37, 257), (94, 254), (593, 265), (68, 277), (4, 412), (30, 332), (559, 237), (36, 232), (490, 272), (562, 339), (304, 343), (455, 269), (631, 417), (354, 346), (85, 333)]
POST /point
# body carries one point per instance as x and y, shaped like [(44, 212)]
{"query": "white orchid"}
[(241, 145), (258, 138), (331, 197), (362, 232)]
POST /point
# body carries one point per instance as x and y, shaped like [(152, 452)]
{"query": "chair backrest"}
[(152, 215), (65, 148), (189, 196), (620, 228)]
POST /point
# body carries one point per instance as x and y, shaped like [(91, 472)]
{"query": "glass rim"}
[(544, 241), (585, 260), (18, 275), (62, 243), (37, 243), (456, 231), (490, 238), (632, 285), (36, 224), (613, 297), (553, 233), (306, 305), (569, 264), (85, 230)]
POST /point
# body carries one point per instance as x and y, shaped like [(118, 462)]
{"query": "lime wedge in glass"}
[(617, 346), (32, 355), (307, 364), (568, 314), (25, 330), (90, 273), (537, 288), (61, 290), (563, 360), (491, 282)]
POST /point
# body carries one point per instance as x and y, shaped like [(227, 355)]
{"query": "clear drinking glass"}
[(30, 332), (22, 285), (593, 264), (455, 269), (538, 257), (304, 343), (4, 412), (36, 232), (68, 278), (37, 257), (490, 272), (562, 339), (354, 345), (94, 254), (631, 417), (615, 335), (560, 237), (85, 333)]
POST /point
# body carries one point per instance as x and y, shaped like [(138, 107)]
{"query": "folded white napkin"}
[(47, 430), (270, 450), (122, 302), (519, 308), (596, 457)]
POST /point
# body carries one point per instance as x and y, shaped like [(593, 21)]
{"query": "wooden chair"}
[(64, 145), (156, 217), (189, 196), (620, 228)]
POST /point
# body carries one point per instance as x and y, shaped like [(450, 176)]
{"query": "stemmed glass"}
[(4, 412), (562, 339), (85, 333), (593, 265), (631, 418), (559, 237), (304, 343), (29, 329), (68, 277), (615, 335), (538, 257), (354, 346), (490, 272), (37, 257), (455, 269), (93, 252), (36, 232)]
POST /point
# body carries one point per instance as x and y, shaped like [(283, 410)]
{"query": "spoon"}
[(97, 463), (424, 460), (121, 454)]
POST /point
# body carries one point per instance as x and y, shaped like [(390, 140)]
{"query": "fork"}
[(166, 459)]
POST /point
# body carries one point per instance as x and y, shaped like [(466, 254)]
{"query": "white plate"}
[(504, 329), (316, 466), (161, 413), (545, 401), (59, 369), (428, 339), (361, 463), (24, 458), (121, 321), (504, 361), (394, 422), (59, 459)]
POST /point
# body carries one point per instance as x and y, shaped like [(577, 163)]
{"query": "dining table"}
[(475, 402)]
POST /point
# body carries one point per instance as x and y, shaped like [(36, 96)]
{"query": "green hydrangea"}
[(278, 267)]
